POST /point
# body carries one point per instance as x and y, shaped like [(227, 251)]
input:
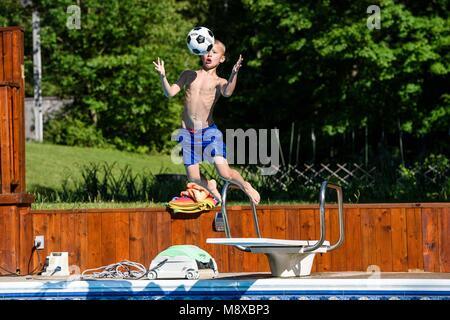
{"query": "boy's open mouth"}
[(208, 60)]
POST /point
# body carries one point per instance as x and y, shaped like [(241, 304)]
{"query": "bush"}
[(105, 182), (70, 131)]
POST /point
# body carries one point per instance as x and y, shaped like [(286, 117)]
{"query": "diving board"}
[(287, 258)]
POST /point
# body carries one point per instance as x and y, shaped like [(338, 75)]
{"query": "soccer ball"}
[(200, 40)]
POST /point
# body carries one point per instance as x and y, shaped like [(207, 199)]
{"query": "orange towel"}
[(194, 199)]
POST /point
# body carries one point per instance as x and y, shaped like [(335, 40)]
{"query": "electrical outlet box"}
[(39, 242)]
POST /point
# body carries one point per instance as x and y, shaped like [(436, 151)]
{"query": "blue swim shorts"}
[(200, 145)]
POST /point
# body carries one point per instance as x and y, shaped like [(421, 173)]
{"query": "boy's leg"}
[(234, 176), (193, 174)]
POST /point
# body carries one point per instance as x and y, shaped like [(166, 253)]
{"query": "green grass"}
[(48, 164), (93, 205), (116, 205)]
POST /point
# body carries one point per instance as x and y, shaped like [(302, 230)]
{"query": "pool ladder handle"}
[(311, 248)]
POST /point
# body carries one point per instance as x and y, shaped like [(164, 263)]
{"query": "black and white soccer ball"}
[(200, 40)]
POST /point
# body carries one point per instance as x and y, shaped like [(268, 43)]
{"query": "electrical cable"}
[(9, 273), (15, 274), (32, 273), (124, 270)]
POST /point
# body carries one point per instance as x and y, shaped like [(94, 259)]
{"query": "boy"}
[(203, 89)]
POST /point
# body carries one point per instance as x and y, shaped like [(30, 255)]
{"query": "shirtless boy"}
[(202, 90)]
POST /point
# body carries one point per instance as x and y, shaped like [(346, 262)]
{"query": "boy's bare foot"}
[(212, 187), (253, 194)]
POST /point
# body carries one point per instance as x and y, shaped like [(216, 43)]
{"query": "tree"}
[(106, 66), (318, 64)]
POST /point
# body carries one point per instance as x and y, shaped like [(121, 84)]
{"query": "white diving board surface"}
[(254, 243), (286, 257)]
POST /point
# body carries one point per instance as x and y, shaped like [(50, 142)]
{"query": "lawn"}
[(48, 164)]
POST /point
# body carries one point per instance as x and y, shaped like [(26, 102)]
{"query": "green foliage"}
[(320, 62), (73, 132), (429, 181), (106, 65), (98, 183)]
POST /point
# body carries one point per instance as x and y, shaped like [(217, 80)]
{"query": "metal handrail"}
[(319, 243), (224, 211)]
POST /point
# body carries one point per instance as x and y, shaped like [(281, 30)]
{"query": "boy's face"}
[(214, 57)]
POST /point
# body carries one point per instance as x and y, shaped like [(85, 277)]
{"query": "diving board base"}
[(290, 264), (286, 257)]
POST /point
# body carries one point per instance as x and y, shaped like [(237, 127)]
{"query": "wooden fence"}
[(11, 111), (15, 217), (392, 237)]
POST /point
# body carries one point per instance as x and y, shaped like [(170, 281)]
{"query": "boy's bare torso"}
[(202, 92)]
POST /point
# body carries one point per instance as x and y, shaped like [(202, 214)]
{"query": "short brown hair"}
[(216, 41)]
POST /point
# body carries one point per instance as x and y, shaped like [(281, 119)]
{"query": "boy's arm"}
[(227, 87), (169, 90)]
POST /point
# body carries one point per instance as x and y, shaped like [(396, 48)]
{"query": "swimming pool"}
[(327, 286)]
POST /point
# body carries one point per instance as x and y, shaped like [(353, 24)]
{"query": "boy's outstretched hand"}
[(238, 64), (159, 67)]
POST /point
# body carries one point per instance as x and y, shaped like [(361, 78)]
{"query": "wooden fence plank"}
[(249, 261), (384, 239), (278, 223), (137, 247), (444, 248), (178, 233), (17, 55), (353, 239), (399, 240), (415, 249), (308, 228), (53, 233), (12, 134), (151, 239), (122, 224), (338, 255), (266, 232), (2, 60), (323, 261), (84, 244), (207, 231), (5, 160), (7, 56), (164, 234), (191, 230), (7, 240), (94, 236), (17, 128), (368, 239), (40, 228), (69, 238), (108, 252), (26, 239), (236, 256), (430, 238), (293, 224)]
